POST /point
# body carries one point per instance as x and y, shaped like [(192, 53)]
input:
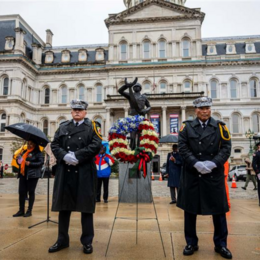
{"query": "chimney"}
[(49, 35), (19, 41), (37, 53)]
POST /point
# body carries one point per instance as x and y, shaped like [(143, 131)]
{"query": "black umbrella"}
[(28, 132), (169, 139)]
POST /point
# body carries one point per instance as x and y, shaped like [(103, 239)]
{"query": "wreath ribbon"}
[(144, 158)]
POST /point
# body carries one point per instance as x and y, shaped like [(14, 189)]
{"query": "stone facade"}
[(157, 41)]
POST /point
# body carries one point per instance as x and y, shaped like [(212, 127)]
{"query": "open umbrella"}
[(169, 139), (28, 132)]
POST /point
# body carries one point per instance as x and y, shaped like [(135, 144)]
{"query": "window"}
[(64, 95), (253, 88), (162, 87), (6, 84), (47, 96), (186, 48), (147, 87), (233, 88), (187, 86), (123, 47), (45, 127), (216, 116), (147, 47), (61, 120), (81, 92), (2, 122), (1, 154), (190, 117), (235, 121), (213, 87), (162, 47), (237, 150), (99, 93), (255, 121)]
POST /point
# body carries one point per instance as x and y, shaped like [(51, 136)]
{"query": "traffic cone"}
[(234, 184), (152, 177), (160, 179)]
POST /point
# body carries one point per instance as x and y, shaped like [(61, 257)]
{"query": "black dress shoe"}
[(255, 189), (19, 214), (105, 201), (244, 188), (57, 247), (28, 213), (223, 251), (88, 249), (173, 202), (97, 200), (189, 249)]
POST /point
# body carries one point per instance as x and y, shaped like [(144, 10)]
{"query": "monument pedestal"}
[(130, 188)]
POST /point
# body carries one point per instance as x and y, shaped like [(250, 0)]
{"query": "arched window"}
[(233, 88), (187, 86), (81, 92), (146, 49), (6, 85), (61, 120), (64, 95), (256, 121), (99, 93), (147, 87), (162, 87), (213, 88), (185, 48), (1, 154), (47, 96), (162, 49), (123, 51), (2, 122), (235, 123), (216, 116), (253, 88), (45, 126)]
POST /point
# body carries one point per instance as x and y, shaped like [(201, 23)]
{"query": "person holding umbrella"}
[(30, 163)]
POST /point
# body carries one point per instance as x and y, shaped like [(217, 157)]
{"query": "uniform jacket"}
[(103, 163), (75, 186), (256, 162), (203, 193), (174, 169)]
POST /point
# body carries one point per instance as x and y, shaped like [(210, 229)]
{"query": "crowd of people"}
[(195, 169)]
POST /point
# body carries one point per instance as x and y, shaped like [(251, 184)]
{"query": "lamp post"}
[(249, 134)]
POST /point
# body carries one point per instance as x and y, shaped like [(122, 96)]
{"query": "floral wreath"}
[(148, 140)]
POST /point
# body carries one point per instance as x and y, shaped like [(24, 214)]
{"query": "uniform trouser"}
[(173, 191), (86, 224), (220, 229), (105, 182), (258, 187), (248, 178), (27, 186)]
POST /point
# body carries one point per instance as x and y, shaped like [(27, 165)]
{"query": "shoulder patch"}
[(224, 132), (97, 128), (182, 127)]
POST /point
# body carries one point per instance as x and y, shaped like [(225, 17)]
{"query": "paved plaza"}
[(19, 242)]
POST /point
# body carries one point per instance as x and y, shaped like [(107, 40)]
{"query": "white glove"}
[(200, 166), (70, 159), (211, 165)]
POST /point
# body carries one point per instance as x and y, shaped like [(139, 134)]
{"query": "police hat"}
[(202, 102), (78, 104)]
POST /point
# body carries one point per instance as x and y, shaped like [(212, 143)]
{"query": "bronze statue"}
[(137, 103)]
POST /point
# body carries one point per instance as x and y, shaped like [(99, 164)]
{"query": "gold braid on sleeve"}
[(95, 129), (221, 132)]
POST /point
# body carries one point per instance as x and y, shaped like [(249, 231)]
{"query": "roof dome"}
[(130, 3)]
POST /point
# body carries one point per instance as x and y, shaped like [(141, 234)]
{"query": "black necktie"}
[(204, 126), (76, 124)]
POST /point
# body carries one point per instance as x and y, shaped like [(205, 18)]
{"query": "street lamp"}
[(249, 134)]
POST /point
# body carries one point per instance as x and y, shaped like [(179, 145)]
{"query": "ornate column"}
[(164, 125), (183, 113)]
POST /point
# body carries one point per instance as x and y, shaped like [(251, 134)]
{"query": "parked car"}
[(163, 171), (239, 172)]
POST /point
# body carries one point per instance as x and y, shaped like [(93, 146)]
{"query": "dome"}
[(130, 3)]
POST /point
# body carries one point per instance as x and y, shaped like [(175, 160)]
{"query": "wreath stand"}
[(136, 219)]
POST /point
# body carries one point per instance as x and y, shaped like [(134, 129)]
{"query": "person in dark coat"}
[(30, 163), (75, 145), (256, 167), (205, 146), (173, 169)]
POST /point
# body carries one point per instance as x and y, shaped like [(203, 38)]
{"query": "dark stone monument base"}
[(129, 185)]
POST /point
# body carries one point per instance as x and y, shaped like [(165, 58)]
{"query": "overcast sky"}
[(76, 22)]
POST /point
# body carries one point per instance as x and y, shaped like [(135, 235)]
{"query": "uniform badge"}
[(99, 129), (182, 127)]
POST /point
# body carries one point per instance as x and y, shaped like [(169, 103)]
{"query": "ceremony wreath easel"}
[(140, 156)]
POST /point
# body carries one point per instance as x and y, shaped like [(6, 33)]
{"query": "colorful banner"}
[(155, 119), (174, 124)]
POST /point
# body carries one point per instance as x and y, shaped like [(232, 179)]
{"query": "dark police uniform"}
[(204, 194), (75, 186), (256, 167)]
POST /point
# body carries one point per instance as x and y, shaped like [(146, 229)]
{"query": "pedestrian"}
[(205, 146), (256, 167), (173, 169), (103, 163), (250, 176), (1, 169), (30, 163), (75, 145)]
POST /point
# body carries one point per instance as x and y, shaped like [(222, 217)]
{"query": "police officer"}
[(75, 145), (256, 167), (205, 146)]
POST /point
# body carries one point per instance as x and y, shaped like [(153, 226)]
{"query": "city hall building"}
[(155, 40)]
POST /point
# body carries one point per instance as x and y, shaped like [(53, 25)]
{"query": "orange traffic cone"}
[(152, 177), (234, 184), (160, 179)]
